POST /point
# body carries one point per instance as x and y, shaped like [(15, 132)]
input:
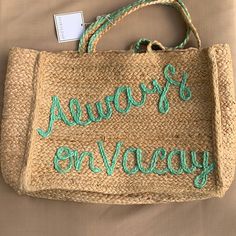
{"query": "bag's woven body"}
[(205, 122), (120, 127)]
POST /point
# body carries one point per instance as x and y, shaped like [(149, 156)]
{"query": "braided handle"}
[(92, 35)]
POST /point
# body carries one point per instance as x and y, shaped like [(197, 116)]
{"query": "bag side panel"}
[(228, 114), (16, 111)]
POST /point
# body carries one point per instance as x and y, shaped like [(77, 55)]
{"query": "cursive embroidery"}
[(163, 106), (66, 159)]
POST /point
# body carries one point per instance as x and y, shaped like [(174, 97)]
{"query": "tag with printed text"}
[(69, 26)]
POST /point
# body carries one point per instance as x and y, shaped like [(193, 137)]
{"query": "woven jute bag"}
[(125, 127)]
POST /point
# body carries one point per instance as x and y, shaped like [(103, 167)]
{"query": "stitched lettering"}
[(113, 102), (65, 159)]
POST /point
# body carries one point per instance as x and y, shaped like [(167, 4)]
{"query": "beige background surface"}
[(29, 23)]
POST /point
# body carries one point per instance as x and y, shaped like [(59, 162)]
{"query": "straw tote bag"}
[(148, 125)]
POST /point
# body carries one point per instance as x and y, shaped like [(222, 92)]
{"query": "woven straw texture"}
[(205, 122)]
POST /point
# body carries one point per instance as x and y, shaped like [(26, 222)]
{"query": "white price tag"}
[(69, 26)]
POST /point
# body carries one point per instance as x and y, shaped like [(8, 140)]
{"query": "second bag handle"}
[(96, 30)]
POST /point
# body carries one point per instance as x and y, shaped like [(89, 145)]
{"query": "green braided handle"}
[(118, 15), (103, 23), (97, 29)]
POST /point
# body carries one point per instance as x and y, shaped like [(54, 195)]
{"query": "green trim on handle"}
[(95, 30)]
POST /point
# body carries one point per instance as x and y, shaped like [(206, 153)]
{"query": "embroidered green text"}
[(66, 159), (113, 102)]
